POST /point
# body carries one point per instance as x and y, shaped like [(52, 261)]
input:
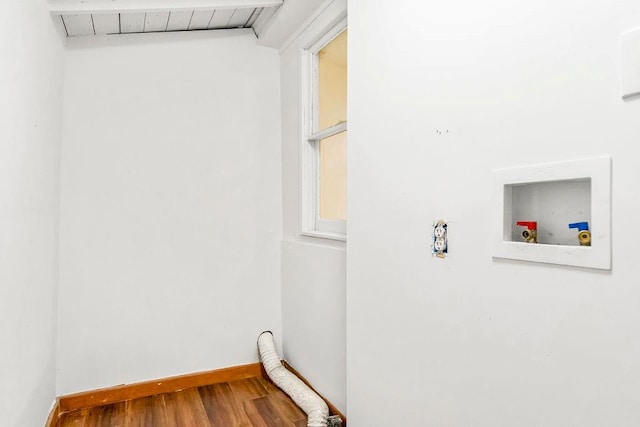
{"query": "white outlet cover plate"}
[(598, 255), (630, 63)]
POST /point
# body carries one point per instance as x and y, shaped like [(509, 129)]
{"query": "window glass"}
[(333, 177), (332, 82)]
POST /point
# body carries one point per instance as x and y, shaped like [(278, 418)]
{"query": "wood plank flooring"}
[(251, 402)]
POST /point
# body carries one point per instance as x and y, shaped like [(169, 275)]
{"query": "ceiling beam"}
[(67, 7)]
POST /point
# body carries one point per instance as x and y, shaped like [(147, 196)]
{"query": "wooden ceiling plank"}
[(78, 25), (66, 7), (179, 21), (254, 17), (240, 18), (156, 22), (221, 19), (106, 23), (200, 19), (132, 22)]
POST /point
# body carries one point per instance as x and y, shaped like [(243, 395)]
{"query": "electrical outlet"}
[(440, 243)]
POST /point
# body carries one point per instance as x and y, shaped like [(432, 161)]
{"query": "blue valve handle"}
[(581, 226)]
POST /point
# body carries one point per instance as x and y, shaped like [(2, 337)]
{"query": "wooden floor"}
[(252, 402)]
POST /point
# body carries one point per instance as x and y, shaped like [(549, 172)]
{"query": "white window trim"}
[(311, 224), (328, 132)]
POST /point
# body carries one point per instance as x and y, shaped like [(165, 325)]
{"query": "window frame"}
[(311, 223)]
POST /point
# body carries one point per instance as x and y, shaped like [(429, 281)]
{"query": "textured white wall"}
[(440, 94), (31, 66), (171, 207), (313, 270)]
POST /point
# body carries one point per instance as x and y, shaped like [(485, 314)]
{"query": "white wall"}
[(171, 207), (31, 66), (313, 270), (314, 316), (469, 340)]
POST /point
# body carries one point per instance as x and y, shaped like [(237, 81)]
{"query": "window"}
[(325, 136)]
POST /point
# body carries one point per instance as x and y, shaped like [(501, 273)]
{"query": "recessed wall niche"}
[(553, 196), (553, 205)]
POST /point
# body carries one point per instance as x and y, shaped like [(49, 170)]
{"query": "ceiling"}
[(101, 17)]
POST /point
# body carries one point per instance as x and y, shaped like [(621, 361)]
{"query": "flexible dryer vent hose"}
[(316, 409)]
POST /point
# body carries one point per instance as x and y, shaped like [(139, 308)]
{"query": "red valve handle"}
[(531, 225)]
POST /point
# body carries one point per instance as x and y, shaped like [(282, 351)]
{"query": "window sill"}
[(325, 235)]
